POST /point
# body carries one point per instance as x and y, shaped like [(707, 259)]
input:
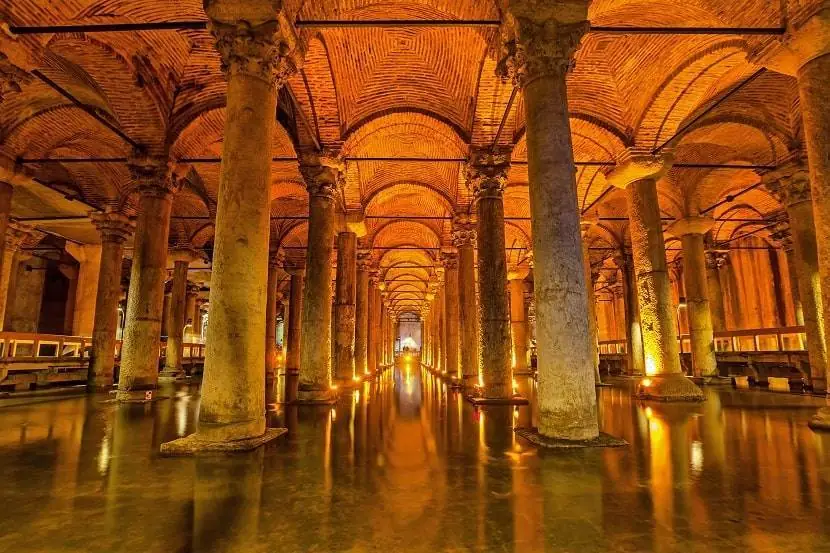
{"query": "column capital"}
[(374, 277), (356, 223), (463, 232), (486, 171), (537, 45), (807, 38), (364, 260), (517, 272), (113, 226), (449, 258), (637, 165), (255, 39), (16, 235), (183, 255), (295, 270), (782, 237), (695, 224), (715, 259), (790, 183), (153, 176), (12, 78), (323, 173), (276, 260), (193, 290)]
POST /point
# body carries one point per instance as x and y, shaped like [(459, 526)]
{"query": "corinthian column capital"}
[(113, 226), (541, 40), (790, 183), (254, 38), (486, 171), (324, 173), (153, 175)]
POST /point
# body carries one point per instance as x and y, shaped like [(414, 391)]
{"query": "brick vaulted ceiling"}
[(395, 92)]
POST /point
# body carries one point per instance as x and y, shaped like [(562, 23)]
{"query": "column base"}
[(821, 420), (137, 396), (513, 400), (819, 385), (97, 386), (170, 374), (194, 445), (673, 387), (306, 395), (603, 440)]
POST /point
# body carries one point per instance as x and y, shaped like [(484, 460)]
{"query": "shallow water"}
[(406, 465)]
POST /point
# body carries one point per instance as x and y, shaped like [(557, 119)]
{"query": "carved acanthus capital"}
[(790, 184), (153, 176), (716, 259), (486, 171), (540, 48), (449, 258), (276, 260), (113, 226), (324, 173), (364, 260), (256, 42), (463, 232), (16, 235), (12, 78), (782, 237)]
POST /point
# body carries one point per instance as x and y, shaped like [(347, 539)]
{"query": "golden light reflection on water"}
[(405, 464)]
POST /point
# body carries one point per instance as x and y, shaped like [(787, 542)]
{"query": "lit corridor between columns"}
[(405, 464)]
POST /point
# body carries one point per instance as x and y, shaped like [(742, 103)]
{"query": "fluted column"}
[(272, 300), (322, 175), (545, 39), (518, 318), (139, 372), (292, 342), (114, 229), (344, 308), (256, 43), (714, 262), (486, 177), (452, 309), (181, 259), (638, 174), (791, 185), (464, 239), (691, 231), (361, 313)]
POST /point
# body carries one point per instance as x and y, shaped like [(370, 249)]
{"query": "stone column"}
[(791, 185), (452, 309), (361, 313), (486, 177), (638, 175), (537, 60), (292, 342), (633, 333), (115, 229), (82, 315), (256, 45), (792, 273), (191, 312), (384, 316), (691, 231), (6, 192), (12, 241), (139, 370), (181, 258), (373, 323), (322, 176), (714, 262), (591, 297), (344, 308), (518, 319), (425, 332), (272, 299), (464, 239)]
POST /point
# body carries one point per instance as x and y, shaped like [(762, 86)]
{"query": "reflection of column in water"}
[(495, 520), (135, 490), (226, 502)]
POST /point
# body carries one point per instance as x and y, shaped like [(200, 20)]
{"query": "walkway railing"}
[(29, 360), (753, 340)]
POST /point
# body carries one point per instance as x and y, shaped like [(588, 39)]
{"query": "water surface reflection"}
[(404, 464)]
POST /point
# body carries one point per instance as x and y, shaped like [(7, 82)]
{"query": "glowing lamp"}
[(645, 383)]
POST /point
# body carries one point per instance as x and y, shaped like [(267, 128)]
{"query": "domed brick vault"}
[(402, 107)]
